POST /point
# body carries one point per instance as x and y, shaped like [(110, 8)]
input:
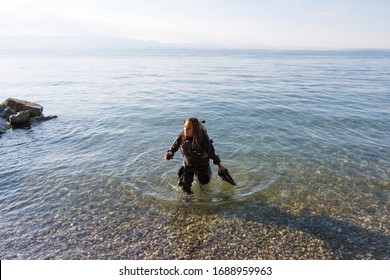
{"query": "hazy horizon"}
[(10, 42), (279, 24)]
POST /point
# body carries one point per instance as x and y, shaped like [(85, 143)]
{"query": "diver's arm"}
[(216, 159), (174, 147)]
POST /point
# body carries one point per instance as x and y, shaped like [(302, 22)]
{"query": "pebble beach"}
[(191, 231)]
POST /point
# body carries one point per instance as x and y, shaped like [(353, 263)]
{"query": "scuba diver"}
[(197, 149)]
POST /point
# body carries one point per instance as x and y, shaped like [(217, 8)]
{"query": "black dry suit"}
[(196, 160)]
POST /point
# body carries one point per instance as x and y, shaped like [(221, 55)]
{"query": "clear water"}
[(305, 132)]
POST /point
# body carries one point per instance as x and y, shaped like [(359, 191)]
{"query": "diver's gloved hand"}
[(168, 155), (221, 168)]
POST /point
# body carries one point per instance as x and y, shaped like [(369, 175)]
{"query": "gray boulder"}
[(6, 112), (18, 105), (20, 113), (20, 118), (3, 125)]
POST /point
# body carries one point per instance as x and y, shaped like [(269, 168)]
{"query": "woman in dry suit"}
[(197, 150)]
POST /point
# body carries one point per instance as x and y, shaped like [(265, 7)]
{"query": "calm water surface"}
[(305, 132)]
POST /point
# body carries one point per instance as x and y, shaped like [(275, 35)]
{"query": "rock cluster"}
[(18, 113)]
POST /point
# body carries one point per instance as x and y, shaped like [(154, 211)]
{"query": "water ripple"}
[(306, 133)]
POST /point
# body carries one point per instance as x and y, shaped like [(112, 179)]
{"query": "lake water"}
[(306, 133)]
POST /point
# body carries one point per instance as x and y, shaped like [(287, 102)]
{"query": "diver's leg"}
[(204, 175), (186, 177)]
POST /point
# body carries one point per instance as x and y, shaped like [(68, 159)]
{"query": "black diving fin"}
[(226, 176)]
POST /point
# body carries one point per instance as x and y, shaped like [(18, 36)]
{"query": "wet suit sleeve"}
[(210, 148), (213, 156), (176, 144)]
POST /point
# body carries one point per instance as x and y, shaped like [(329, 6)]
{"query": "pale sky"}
[(242, 23)]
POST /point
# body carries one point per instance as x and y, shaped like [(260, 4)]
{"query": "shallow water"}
[(306, 133)]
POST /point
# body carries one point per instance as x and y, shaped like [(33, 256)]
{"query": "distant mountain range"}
[(75, 42), (95, 42), (10, 42)]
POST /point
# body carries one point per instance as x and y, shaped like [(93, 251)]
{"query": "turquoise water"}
[(307, 133)]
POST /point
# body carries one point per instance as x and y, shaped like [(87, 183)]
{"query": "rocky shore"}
[(19, 113), (249, 230), (266, 233)]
